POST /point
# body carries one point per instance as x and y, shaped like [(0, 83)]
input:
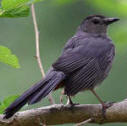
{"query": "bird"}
[(84, 64)]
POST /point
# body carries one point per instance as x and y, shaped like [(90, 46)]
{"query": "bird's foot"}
[(105, 106), (70, 103)]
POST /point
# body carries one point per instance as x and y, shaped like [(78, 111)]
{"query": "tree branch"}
[(38, 50), (62, 114)]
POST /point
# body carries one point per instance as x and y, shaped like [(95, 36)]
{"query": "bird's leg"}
[(69, 101), (104, 105), (99, 99)]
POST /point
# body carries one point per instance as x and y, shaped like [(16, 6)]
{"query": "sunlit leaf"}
[(17, 12), (2, 108), (8, 58), (11, 4), (16, 8), (7, 101)]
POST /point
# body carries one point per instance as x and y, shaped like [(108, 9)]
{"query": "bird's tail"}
[(36, 92)]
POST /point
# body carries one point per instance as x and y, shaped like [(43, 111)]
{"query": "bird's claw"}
[(71, 104), (74, 104), (105, 106)]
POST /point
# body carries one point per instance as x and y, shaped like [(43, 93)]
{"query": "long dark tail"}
[(36, 92)]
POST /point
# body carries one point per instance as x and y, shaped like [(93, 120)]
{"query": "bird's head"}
[(96, 24)]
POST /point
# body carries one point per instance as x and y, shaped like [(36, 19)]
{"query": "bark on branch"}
[(62, 114)]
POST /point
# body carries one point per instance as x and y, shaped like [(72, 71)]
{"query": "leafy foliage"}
[(7, 101), (8, 58), (15, 8)]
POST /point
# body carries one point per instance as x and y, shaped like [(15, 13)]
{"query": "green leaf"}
[(12, 4), (7, 101), (8, 58), (18, 12), (2, 108), (16, 8)]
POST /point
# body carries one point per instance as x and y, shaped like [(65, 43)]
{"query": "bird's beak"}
[(108, 21)]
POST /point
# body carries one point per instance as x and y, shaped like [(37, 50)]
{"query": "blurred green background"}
[(58, 21)]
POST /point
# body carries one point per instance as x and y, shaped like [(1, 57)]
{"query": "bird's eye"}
[(95, 21)]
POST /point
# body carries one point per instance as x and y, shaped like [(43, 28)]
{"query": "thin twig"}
[(37, 41), (37, 49), (84, 122)]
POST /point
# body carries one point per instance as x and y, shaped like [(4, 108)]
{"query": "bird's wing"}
[(90, 74), (85, 78), (107, 58), (84, 67), (71, 61)]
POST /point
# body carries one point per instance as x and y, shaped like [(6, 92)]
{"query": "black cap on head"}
[(91, 16), (105, 19)]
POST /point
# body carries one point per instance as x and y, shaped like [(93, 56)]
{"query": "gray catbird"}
[(84, 63)]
